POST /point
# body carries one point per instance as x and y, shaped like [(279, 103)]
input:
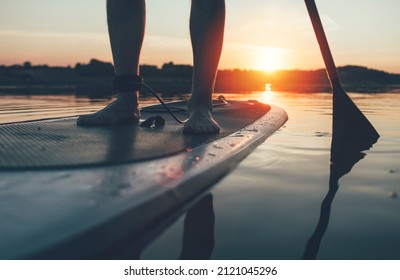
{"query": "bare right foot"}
[(201, 121), (124, 109)]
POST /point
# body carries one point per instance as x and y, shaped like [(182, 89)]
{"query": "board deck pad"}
[(60, 143), (64, 197)]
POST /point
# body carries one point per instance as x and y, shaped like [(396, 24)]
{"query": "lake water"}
[(269, 206)]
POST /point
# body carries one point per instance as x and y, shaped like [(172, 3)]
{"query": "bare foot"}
[(201, 121), (123, 110)]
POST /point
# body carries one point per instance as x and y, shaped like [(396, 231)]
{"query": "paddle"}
[(345, 157), (347, 118), (352, 133)]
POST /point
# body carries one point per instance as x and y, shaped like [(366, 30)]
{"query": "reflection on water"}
[(268, 207), (24, 108), (18, 108), (352, 134), (198, 231)]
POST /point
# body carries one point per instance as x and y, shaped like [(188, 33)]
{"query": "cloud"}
[(329, 23)]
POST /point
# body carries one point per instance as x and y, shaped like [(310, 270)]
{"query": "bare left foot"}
[(201, 121), (122, 110)]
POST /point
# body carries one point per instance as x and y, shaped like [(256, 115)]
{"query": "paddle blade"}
[(352, 134)]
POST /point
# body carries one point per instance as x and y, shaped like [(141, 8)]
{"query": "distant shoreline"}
[(95, 79)]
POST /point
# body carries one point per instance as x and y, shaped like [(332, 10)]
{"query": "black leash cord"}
[(163, 103)]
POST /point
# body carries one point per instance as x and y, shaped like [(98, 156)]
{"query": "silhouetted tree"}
[(170, 70), (95, 68), (27, 65)]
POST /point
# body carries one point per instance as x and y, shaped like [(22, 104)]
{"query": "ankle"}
[(130, 97), (127, 83), (199, 105)]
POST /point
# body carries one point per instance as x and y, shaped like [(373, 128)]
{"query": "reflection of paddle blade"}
[(345, 153), (352, 134), (313, 243)]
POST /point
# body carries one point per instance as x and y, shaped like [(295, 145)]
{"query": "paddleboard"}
[(71, 192)]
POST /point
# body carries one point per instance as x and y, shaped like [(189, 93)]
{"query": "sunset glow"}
[(268, 95), (268, 61), (266, 35)]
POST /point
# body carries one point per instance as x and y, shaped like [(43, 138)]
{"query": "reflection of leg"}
[(126, 23), (198, 233), (207, 21)]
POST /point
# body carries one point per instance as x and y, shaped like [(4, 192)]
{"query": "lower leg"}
[(207, 22), (126, 25)]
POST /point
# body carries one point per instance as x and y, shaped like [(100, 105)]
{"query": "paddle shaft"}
[(347, 118), (323, 44)]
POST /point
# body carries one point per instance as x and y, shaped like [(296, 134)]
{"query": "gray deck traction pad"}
[(60, 143)]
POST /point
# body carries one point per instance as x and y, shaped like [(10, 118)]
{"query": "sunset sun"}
[(268, 59), (269, 65)]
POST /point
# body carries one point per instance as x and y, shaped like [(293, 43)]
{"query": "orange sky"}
[(260, 34)]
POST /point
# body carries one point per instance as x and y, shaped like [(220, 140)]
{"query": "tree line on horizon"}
[(227, 80)]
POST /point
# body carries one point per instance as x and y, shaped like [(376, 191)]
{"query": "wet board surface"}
[(61, 143), (69, 192)]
